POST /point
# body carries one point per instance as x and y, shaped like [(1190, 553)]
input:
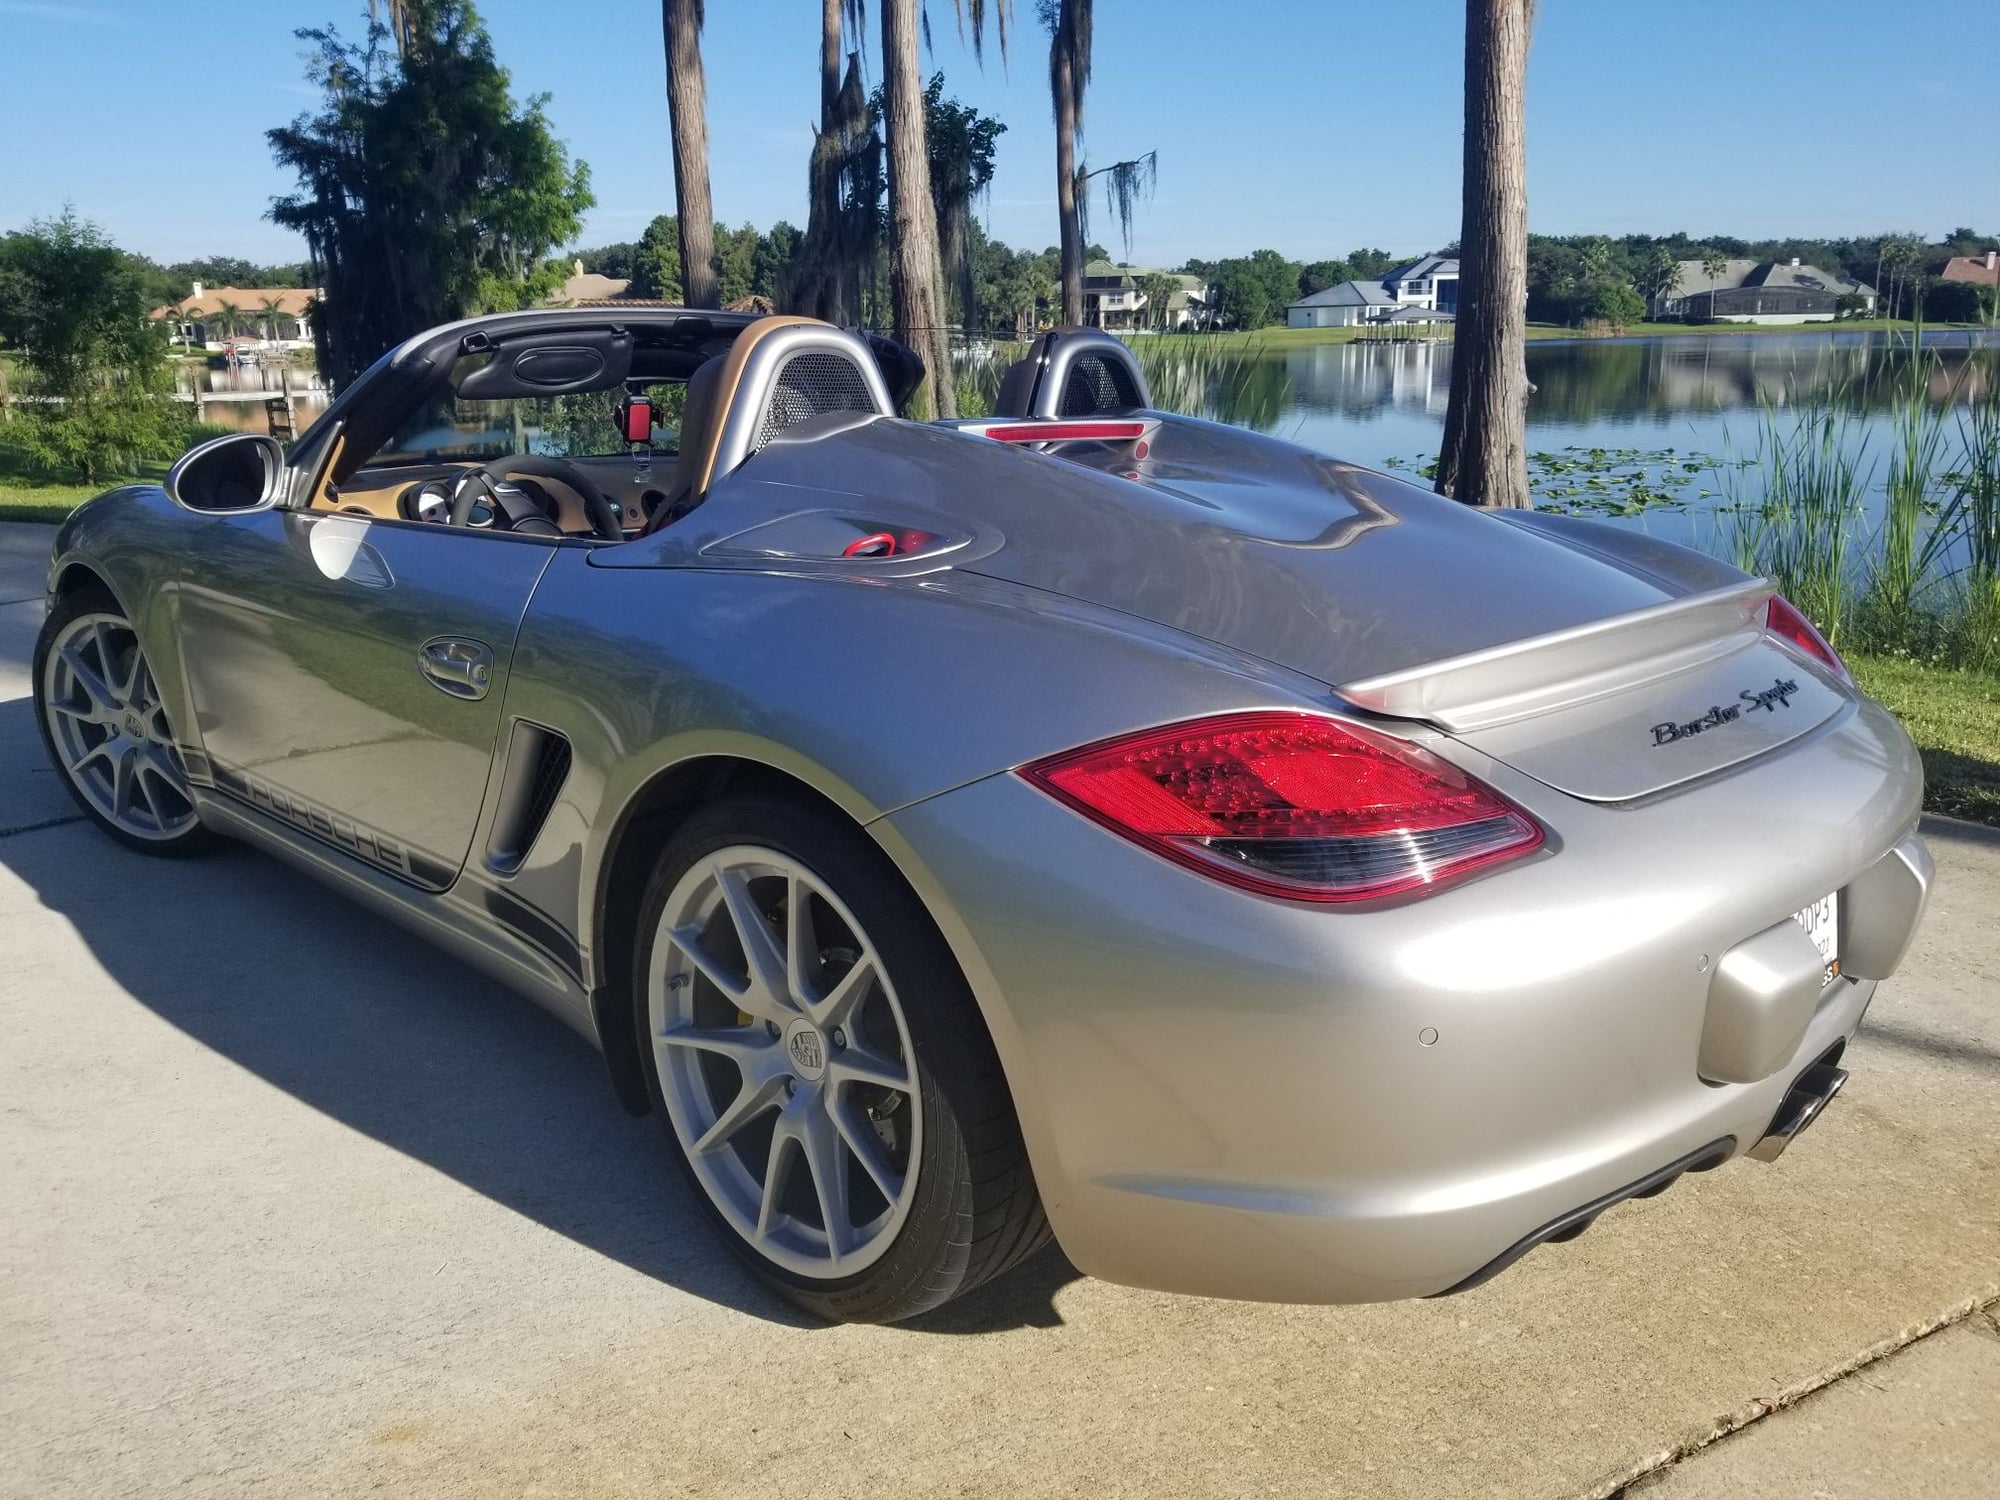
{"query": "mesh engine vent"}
[(1098, 384), (551, 771), (810, 385), (538, 762)]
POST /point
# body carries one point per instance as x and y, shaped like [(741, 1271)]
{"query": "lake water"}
[(1699, 395), (232, 395)]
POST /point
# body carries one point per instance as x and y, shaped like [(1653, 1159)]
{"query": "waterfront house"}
[(1115, 297), (268, 317), (1975, 270), (1426, 285), (1749, 291)]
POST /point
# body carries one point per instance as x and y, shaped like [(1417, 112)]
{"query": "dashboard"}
[(636, 486)]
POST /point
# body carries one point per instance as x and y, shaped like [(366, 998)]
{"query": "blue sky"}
[(1311, 126)]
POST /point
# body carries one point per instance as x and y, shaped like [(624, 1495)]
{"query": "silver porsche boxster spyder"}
[(1268, 878)]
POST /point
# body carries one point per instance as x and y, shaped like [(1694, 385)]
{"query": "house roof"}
[(1972, 268), (1695, 278), (292, 301), (1812, 278), (1348, 294), (1423, 268), (589, 287)]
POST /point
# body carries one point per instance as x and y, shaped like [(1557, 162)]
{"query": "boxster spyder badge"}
[(1778, 695), (1074, 823)]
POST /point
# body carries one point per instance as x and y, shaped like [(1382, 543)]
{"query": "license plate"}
[(1821, 922)]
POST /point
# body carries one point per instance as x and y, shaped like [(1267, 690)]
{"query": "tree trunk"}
[(1062, 81), (687, 104), (1484, 460), (916, 275), (816, 283)]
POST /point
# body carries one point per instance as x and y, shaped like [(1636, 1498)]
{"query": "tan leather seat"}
[(711, 394)]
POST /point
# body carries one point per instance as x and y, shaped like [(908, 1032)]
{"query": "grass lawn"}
[(25, 497), (1955, 719), (43, 502)]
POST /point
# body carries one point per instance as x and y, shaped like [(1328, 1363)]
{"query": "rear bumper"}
[(1237, 1097)]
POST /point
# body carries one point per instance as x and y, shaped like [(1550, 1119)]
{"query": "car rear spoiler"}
[(1523, 678)]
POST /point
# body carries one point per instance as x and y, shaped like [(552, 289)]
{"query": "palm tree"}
[(687, 106), (1484, 458), (1159, 289), (226, 318), (270, 310)]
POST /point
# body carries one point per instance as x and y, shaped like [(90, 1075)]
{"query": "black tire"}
[(975, 1211), (194, 839)]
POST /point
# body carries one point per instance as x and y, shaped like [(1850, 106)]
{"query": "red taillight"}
[(1784, 621), (1291, 804)]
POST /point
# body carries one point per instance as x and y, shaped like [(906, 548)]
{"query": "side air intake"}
[(538, 762)]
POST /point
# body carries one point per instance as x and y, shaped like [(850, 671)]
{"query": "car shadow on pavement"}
[(375, 1028)]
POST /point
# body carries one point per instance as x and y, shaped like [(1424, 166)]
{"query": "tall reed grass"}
[(1800, 528), (1922, 580)]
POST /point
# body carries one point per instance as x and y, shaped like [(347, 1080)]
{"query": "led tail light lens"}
[(1786, 622), (1292, 805)]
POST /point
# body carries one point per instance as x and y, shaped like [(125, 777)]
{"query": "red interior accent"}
[(875, 544), (1785, 621), (1283, 775), (636, 415), (1065, 432)]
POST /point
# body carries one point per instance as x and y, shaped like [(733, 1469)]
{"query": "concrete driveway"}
[(289, 1203)]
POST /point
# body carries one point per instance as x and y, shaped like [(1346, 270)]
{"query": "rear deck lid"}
[(1691, 723)]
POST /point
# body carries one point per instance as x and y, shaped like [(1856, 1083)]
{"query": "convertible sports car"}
[(1269, 878)]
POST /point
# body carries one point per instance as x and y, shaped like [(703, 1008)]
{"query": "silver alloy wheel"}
[(785, 1061), (110, 730)]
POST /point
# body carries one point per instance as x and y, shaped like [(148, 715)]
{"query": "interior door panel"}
[(332, 660)]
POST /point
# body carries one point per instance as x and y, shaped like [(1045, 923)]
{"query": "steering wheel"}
[(486, 479)]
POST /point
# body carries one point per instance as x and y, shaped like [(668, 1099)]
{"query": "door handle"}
[(461, 668)]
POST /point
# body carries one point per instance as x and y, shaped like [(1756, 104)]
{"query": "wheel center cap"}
[(133, 728), (806, 1048)]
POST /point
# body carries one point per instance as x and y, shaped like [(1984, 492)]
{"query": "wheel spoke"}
[(867, 1148), (99, 751), (102, 700), (749, 1047), (821, 1143), (81, 715), (777, 1168), (160, 761), (124, 777), (752, 1101), (801, 943), (137, 679), (839, 1005), (767, 968), (142, 782), (853, 1064), (688, 940)]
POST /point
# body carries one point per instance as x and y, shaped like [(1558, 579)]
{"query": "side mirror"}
[(232, 475)]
